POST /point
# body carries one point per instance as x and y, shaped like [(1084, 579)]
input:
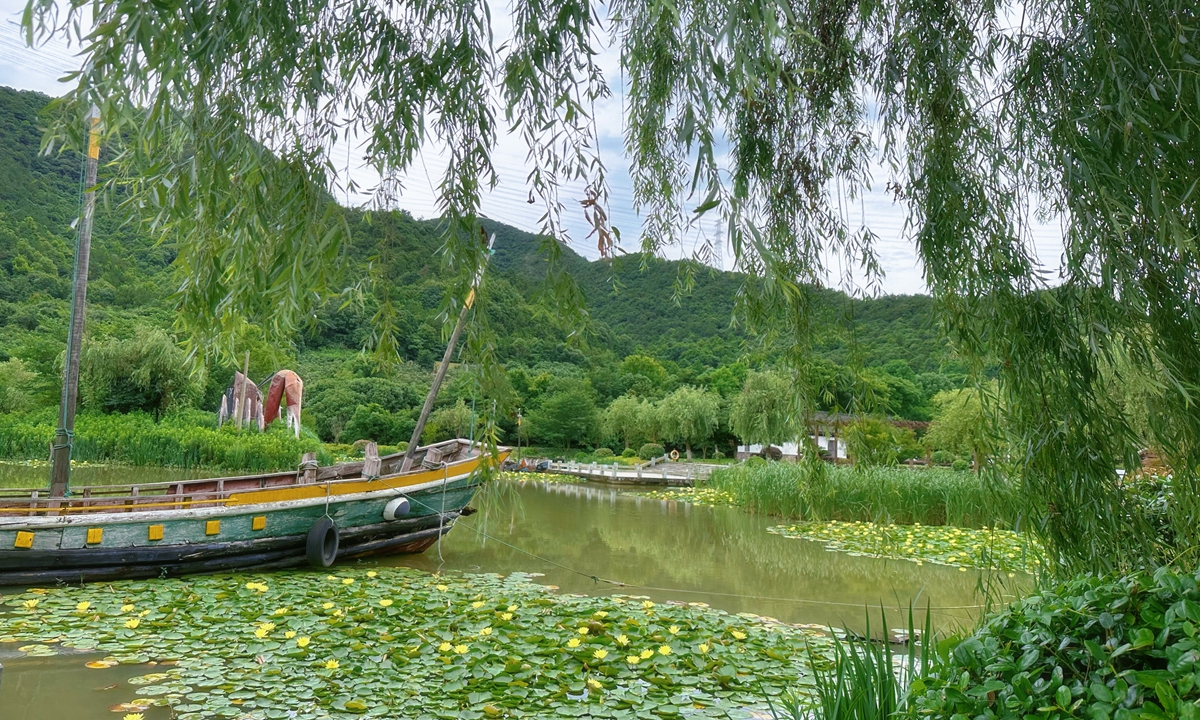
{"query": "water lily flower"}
[(477, 604), (600, 654), (647, 604), (664, 650), (584, 630), (622, 640), (302, 641), (347, 581), (512, 608), (647, 654), (83, 606), (133, 716), (385, 603), (442, 588), (600, 614), (507, 616), (674, 629), (704, 648), (331, 577), (328, 606), (445, 647), (126, 608), (289, 634), (485, 631), (461, 649), (30, 604), (132, 623), (260, 633), (331, 664), (632, 659), (594, 684), (573, 643), (737, 634), (371, 573)]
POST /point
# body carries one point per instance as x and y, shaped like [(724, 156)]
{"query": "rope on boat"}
[(618, 583)]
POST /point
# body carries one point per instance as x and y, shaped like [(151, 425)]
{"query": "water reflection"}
[(57, 688), (675, 551)]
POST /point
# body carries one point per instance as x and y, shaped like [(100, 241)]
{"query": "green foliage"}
[(16, 386), (373, 422), (1096, 647), (566, 416), (960, 424), (871, 442), (450, 422), (629, 453), (628, 419), (603, 452), (147, 372), (649, 451), (763, 412), (816, 491), (186, 439), (689, 415)]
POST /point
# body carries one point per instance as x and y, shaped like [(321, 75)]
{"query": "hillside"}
[(631, 303)]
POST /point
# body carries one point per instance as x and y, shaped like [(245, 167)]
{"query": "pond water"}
[(666, 550)]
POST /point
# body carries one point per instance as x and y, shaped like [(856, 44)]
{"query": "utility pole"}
[(64, 438)]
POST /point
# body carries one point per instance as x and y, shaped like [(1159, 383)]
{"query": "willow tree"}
[(767, 114)]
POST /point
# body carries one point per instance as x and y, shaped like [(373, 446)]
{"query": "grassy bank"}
[(188, 439), (882, 495)]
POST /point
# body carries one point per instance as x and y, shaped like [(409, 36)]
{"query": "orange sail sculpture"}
[(286, 389)]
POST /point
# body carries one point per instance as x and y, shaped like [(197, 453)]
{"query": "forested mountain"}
[(632, 304)]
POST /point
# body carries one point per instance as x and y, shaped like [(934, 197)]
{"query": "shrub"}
[(629, 453), (147, 372), (1095, 647), (943, 457), (602, 452), (871, 442), (959, 464), (649, 451), (17, 386), (582, 456)]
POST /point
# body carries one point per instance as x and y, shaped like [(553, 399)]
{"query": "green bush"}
[(1095, 647), (147, 372), (649, 451), (629, 453), (959, 464), (819, 491), (185, 439), (943, 457), (602, 452)]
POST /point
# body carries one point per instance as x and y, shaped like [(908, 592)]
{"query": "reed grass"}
[(931, 496), (187, 439)]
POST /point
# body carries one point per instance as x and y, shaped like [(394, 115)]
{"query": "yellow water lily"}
[(371, 573), (126, 608), (281, 611), (385, 602), (506, 616), (83, 606), (442, 588), (737, 634), (647, 604), (461, 649), (328, 606), (647, 654), (331, 577), (594, 684), (584, 630), (30, 604), (302, 641), (664, 650), (512, 608), (704, 648), (600, 614), (573, 643), (632, 659), (445, 647), (134, 716), (477, 604), (261, 633), (331, 664), (132, 623), (622, 640), (485, 631), (289, 635), (600, 654), (674, 629), (347, 581)]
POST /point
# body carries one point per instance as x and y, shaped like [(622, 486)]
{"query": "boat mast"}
[(60, 451), (440, 375)]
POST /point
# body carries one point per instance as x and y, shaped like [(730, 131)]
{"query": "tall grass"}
[(816, 491), (187, 439)]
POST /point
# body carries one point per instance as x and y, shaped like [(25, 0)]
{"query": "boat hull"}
[(246, 535)]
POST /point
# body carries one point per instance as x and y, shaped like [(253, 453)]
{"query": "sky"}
[(40, 68)]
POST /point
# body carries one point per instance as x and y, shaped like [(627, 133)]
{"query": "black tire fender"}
[(321, 550)]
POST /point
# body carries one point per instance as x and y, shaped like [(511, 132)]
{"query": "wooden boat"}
[(316, 515)]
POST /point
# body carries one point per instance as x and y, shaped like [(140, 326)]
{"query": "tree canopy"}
[(766, 114)]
